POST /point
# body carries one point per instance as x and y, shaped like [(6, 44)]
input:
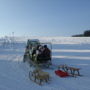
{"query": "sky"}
[(44, 17)]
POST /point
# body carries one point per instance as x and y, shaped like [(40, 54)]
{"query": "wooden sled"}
[(71, 70), (39, 76)]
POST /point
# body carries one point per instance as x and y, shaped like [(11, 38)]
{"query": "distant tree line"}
[(85, 34)]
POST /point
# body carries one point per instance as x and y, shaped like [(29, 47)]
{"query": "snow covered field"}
[(71, 51)]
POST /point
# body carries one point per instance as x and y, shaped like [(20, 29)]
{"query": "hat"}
[(45, 46)]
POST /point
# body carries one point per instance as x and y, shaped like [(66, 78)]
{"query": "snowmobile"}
[(34, 59)]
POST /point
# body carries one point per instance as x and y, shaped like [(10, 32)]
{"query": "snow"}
[(14, 74)]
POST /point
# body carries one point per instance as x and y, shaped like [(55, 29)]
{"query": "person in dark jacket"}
[(46, 53)]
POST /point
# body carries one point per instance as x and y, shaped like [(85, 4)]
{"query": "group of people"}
[(43, 53)]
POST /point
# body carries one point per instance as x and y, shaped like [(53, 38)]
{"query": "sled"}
[(61, 73), (38, 76), (71, 70)]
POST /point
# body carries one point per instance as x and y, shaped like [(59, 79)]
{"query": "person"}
[(39, 53), (33, 52), (46, 53), (36, 53)]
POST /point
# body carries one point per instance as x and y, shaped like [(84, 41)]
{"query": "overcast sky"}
[(44, 17)]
